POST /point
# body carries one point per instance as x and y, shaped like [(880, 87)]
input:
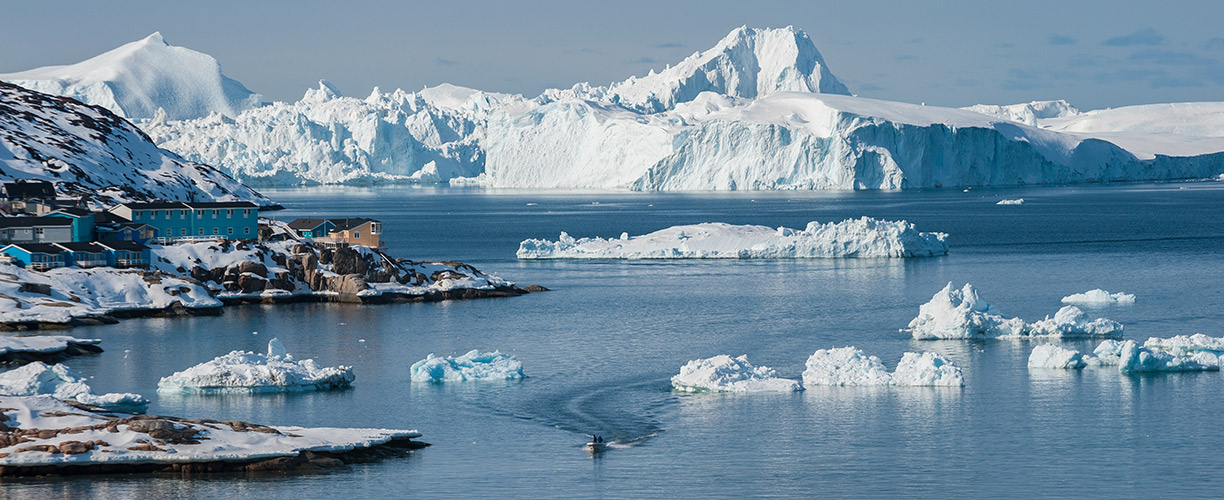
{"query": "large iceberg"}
[(850, 366), (249, 372), (963, 314), (865, 237), (724, 373), (1028, 113), (474, 365), (1098, 297), (39, 378), (142, 79)]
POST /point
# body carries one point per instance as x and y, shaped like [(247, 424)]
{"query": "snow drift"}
[(140, 78), (724, 373), (38, 378), (963, 314), (863, 238), (248, 372), (850, 366), (474, 365)]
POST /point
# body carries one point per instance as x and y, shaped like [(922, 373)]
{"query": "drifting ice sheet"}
[(1098, 297), (724, 373), (850, 366), (865, 237), (243, 371), (963, 314), (38, 378), (474, 365)]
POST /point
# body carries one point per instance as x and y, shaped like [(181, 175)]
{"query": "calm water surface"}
[(599, 351)]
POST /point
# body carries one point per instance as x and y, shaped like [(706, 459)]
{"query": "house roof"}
[(220, 204), (29, 189), (38, 247), (346, 224), (155, 205), (80, 246), (109, 218), (73, 211), (34, 221), (124, 245), (306, 223)]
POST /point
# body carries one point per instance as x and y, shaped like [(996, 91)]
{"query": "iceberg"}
[(724, 373), (1052, 356), (248, 372), (142, 79), (963, 314), (1017, 201), (1135, 359), (849, 366), (1098, 297), (475, 365), (38, 378), (862, 238), (1187, 345), (1028, 113)]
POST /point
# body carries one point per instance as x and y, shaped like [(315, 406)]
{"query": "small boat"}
[(596, 444)]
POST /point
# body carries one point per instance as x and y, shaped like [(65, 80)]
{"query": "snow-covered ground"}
[(474, 365), (724, 373), (49, 346), (1098, 297), (249, 372), (60, 295), (81, 438), (963, 314), (850, 366), (38, 378), (139, 78), (864, 238), (88, 151)]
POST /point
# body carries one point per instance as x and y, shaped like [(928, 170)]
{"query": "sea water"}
[(599, 349)]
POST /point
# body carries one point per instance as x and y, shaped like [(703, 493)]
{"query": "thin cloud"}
[(1061, 40), (1145, 36), (669, 45), (1216, 43), (445, 62), (1168, 57)]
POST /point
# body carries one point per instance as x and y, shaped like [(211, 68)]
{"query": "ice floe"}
[(1017, 201), (1176, 354), (963, 314), (1052, 356), (38, 378), (249, 372), (75, 440), (865, 237), (44, 347), (724, 373), (474, 365), (1098, 297), (850, 366)]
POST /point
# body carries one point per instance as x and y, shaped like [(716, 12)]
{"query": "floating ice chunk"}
[(1052, 356), (248, 372), (1136, 359), (849, 366), (845, 366), (961, 314), (1017, 201), (39, 378), (864, 238), (724, 373), (1187, 345), (1098, 297), (1071, 322), (474, 365)]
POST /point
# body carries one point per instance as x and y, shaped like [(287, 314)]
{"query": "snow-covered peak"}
[(137, 78), (748, 62), (1028, 113)]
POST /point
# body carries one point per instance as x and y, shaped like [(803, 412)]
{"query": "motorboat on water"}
[(596, 444)]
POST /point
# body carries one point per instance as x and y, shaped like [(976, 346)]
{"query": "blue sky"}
[(955, 53)]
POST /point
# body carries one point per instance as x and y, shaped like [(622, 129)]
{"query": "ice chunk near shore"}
[(1017, 201), (1071, 322), (38, 378), (1052, 356), (862, 238), (1099, 297), (248, 372), (474, 365), (849, 366), (724, 373), (44, 347), (962, 314)]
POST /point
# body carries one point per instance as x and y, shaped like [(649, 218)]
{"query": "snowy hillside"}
[(138, 78), (428, 136), (748, 62), (87, 150)]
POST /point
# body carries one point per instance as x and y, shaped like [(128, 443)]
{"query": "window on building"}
[(375, 228), (356, 234), (215, 214), (246, 212), (182, 231), (182, 214), (230, 230), (201, 231), (246, 230), (229, 212), (216, 231), (200, 214), (38, 231), (168, 214)]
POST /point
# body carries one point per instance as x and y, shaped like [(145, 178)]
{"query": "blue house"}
[(312, 228), (35, 255), (176, 220), (83, 254), (126, 254), (82, 222)]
